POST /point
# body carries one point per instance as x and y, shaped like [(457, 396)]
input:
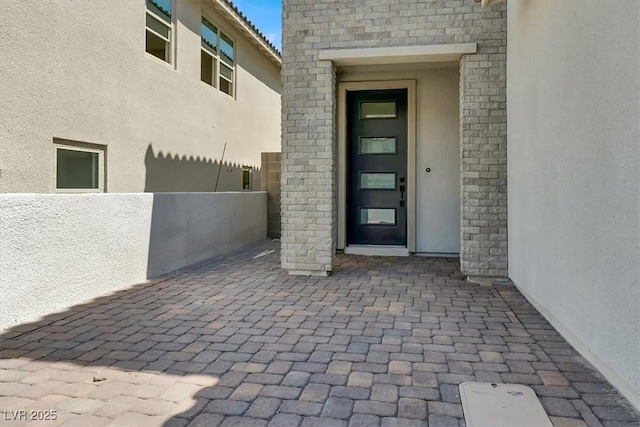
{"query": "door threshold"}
[(438, 254), (376, 250)]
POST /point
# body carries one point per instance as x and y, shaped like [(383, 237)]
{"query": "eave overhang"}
[(241, 23)]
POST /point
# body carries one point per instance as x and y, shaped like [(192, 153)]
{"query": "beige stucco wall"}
[(574, 174), (79, 71)]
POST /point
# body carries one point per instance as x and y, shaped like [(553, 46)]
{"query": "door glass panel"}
[(378, 110), (377, 146), (377, 181), (377, 216)]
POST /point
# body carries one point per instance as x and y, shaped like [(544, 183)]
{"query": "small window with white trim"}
[(79, 168), (217, 58), (159, 29)]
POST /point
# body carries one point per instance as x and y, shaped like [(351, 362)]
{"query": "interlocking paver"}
[(381, 409), (227, 407), (207, 420), (264, 407), (286, 420), (358, 393), (236, 341), (403, 422), (315, 393), (243, 422), (360, 420), (322, 422), (301, 408), (246, 392)]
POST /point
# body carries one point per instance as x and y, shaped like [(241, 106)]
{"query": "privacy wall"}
[(60, 250), (574, 174)]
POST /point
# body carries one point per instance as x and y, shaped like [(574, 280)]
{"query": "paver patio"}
[(237, 342)]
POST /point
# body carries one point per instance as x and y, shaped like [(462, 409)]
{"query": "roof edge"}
[(243, 23)]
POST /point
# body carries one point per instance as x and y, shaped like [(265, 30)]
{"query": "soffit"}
[(398, 55)]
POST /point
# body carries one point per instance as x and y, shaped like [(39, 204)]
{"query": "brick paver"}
[(235, 341)]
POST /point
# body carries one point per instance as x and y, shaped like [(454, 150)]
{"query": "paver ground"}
[(235, 341)]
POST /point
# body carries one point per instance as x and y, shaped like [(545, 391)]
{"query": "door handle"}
[(402, 196)]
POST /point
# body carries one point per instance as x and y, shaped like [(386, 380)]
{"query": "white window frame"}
[(215, 57), (82, 148), (218, 57), (170, 41), (232, 66)]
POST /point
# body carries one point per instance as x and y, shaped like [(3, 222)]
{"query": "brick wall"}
[(309, 145)]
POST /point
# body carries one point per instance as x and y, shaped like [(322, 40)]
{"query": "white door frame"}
[(343, 122)]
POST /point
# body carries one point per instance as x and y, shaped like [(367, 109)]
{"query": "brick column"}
[(309, 215), (483, 145)]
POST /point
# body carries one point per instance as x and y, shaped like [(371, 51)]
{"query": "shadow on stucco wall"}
[(174, 173), (190, 227)]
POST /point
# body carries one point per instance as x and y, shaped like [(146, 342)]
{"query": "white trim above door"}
[(343, 88)]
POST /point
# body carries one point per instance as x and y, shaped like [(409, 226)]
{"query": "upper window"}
[(217, 58), (78, 168), (159, 29)]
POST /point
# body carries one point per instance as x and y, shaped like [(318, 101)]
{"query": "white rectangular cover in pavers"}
[(501, 405)]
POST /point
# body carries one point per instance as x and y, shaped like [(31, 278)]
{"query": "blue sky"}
[(266, 15)]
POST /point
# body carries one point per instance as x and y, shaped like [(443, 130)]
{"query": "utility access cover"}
[(501, 405)]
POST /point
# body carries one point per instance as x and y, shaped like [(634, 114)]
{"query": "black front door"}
[(377, 167)]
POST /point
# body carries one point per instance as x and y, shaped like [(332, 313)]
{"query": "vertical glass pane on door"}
[(377, 216), (377, 181), (377, 145)]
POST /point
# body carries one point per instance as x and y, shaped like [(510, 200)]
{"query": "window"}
[(246, 177), (159, 29), (378, 110), (377, 181), (208, 52), (377, 145), (377, 216), (78, 168), (217, 58)]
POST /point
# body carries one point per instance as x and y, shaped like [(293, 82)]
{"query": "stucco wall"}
[(574, 174), (79, 71), (59, 250)]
